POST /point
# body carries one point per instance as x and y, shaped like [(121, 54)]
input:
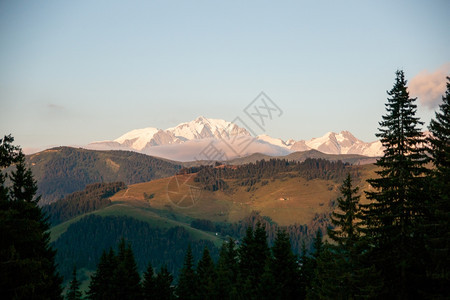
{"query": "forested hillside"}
[(64, 170), (212, 178), (94, 196), (84, 241)]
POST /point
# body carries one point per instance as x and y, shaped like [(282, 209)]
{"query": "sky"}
[(73, 72)]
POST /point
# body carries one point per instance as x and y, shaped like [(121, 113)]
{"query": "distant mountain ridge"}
[(186, 141)]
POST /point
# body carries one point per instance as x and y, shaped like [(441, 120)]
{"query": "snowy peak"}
[(198, 129), (202, 128), (188, 139), (344, 143), (138, 138)]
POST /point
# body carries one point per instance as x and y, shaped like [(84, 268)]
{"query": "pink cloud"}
[(430, 86)]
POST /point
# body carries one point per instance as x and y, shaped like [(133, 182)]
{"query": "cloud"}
[(430, 86)]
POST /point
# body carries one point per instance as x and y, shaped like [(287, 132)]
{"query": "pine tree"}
[(438, 229), (163, 285), (226, 270), (206, 275), (148, 284), (283, 268), (314, 289), (345, 253), (27, 261), (126, 279), (306, 272), (339, 272), (397, 205), (187, 282), (347, 232), (253, 254), (325, 283), (74, 292), (102, 281)]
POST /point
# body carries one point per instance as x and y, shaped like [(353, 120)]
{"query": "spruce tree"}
[(253, 254), (438, 228), (27, 261), (340, 272), (345, 254), (74, 292), (226, 270), (283, 268), (346, 233), (187, 282), (206, 275), (325, 282), (313, 290), (396, 210), (306, 271), (102, 281), (126, 279), (163, 285), (148, 284)]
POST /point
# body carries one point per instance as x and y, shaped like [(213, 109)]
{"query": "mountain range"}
[(215, 139)]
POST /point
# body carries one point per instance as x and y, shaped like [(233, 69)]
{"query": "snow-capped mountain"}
[(200, 128), (187, 141), (343, 143)]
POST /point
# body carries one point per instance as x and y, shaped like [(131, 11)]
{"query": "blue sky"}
[(72, 72)]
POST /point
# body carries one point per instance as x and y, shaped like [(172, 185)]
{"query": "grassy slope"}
[(286, 201)]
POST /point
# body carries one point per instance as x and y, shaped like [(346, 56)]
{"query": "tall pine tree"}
[(306, 271), (126, 279), (74, 292), (206, 275), (438, 229), (148, 284), (340, 273), (284, 268), (253, 255), (27, 262), (347, 238), (226, 270), (102, 281), (163, 284), (395, 213), (187, 281)]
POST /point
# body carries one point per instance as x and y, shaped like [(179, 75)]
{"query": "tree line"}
[(214, 178), (94, 196)]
